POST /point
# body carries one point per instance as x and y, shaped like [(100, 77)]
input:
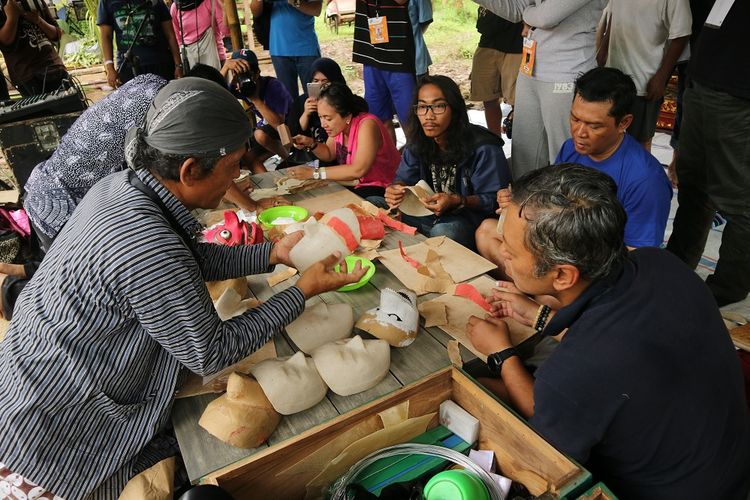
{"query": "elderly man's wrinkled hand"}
[(321, 277), (280, 252)]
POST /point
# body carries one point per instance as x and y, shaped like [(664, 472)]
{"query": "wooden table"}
[(203, 453)]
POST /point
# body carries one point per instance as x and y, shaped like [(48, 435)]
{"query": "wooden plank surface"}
[(741, 337), (204, 454)]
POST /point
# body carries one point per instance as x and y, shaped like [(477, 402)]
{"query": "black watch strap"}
[(495, 361)]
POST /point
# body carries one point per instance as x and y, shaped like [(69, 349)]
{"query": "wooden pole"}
[(249, 25), (233, 21)]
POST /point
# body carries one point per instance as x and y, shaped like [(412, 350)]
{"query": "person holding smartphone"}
[(303, 116), (293, 44)]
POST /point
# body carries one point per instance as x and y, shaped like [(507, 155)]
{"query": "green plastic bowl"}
[(350, 262), (455, 485), (269, 215)]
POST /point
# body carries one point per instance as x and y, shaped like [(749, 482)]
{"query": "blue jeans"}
[(386, 91), (455, 226), (290, 68)]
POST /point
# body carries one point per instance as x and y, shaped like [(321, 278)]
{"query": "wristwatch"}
[(316, 173), (495, 361)]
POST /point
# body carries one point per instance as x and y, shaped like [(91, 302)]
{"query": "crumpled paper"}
[(451, 263), (286, 185), (411, 204), (459, 309)]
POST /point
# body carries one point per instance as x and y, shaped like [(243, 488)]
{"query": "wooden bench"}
[(339, 12)]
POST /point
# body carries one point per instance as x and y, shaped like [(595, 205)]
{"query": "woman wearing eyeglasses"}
[(357, 142), (464, 164)]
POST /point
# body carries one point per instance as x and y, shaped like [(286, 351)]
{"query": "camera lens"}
[(247, 85)]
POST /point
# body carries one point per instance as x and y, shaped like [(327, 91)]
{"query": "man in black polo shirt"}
[(645, 387)]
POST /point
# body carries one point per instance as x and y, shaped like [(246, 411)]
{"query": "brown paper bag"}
[(458, 261), (459, 309)]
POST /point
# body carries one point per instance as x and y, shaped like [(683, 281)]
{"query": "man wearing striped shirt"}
[(384, 44), (104, 332)]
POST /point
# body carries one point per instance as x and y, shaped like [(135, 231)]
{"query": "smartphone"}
[(313, 90)]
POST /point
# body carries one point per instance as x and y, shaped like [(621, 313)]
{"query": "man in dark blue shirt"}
[(645, 388)]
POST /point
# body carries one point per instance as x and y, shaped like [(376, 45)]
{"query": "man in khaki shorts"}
[(495, 65)]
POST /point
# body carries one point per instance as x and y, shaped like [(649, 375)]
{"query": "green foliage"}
[(88, 52)]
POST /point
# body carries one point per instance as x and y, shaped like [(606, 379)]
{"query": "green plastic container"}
[(455, 485), (269, 215), (350, 262)]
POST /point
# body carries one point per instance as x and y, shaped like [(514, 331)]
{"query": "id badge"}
[(527, 57), (378, 29)]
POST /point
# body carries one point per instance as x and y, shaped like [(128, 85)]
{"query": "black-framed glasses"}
[(437, 109)]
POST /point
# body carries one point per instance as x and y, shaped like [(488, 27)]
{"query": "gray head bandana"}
[(193, 117)]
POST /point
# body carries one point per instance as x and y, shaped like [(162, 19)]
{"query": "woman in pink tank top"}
[(357, 141)]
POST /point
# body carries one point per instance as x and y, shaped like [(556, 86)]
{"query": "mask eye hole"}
[(225, 234), (395, 316)]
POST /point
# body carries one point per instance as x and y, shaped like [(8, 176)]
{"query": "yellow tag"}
[(527, 58), (378, 29)]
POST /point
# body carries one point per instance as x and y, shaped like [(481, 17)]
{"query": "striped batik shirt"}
[(398, 54), (102, 334)]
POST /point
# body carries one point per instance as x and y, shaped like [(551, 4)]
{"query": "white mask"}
[(396, 320), (353, 365), (337, 231), (243, 416), (291, 384), (320, 324)]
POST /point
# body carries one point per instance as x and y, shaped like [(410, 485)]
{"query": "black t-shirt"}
[(31, 54), (499, 34), (721, 59), (645, 388), (125, 16)]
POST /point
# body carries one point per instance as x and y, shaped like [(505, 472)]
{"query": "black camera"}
[(247, 85)]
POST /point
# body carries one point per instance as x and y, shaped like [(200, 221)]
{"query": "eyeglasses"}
[(437, 109)]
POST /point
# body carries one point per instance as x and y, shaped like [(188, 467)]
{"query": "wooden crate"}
[(598, 492), (520, 452)]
